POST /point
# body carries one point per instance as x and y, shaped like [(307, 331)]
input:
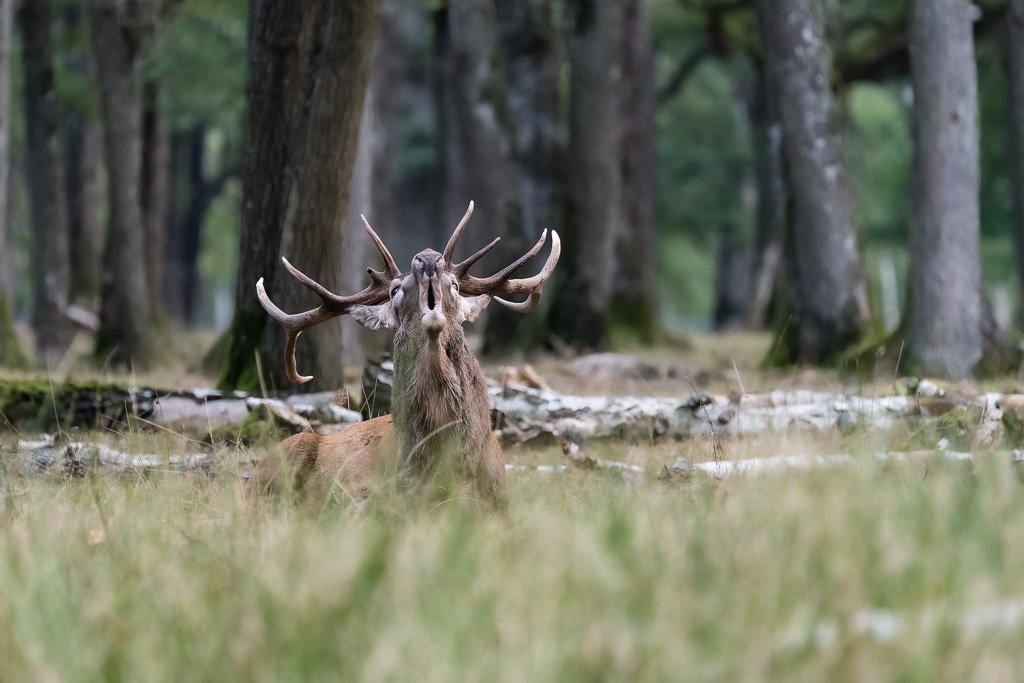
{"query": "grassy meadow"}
[(587, 576), (902, 570)]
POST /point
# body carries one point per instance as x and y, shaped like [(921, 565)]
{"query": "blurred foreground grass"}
[(586, 577)]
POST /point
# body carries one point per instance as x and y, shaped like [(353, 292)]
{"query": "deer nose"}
[(431, 266)]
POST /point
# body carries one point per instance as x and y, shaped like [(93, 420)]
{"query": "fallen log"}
[(521, 414), (525, 415)]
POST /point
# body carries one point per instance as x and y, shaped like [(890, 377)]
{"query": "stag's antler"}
[(333, 305), (500, 284)]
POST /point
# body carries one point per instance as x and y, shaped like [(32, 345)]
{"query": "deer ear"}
[(470, 307), (375, 317)]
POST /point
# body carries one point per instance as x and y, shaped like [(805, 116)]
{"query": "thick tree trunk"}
[(154, 185), (634, 298), (478, 137), (10, 348), (529, 44), (945, 272), (828, 293), (308, 68), (1015, 79), (373, 191), (50, 264), (116, 31), (81, 166), (581, 306)]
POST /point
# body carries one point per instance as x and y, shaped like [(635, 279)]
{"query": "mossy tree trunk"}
[(944, 334), (529, 45), (580, 311), (826, 287), (50, 259), (308, 68), (634, 293), (10, 350), (117, 29), (1015, 123)]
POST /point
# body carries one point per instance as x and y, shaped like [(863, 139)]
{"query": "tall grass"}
[(585, 577)]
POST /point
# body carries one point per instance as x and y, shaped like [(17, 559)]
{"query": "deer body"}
[(440, 430)]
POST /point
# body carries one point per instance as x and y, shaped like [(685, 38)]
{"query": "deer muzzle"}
[(432, 313)]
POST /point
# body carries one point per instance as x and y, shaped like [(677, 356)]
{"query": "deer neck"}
[(436, 397)]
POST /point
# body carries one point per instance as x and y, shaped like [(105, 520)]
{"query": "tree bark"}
[(10, 349), (373, 191), (945, 272), (116, 31), (529, 44), (828, 294), (81, 165), (581, 306), (50, 261), (763, 111), (308, 68), (1015, 100), (154, 186), (634, 297)]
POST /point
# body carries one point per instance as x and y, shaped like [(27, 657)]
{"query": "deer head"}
[(435, 296), (439, 398)]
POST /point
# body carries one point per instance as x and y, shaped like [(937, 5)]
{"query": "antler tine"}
[(450, 247), (499, 284), (333, 305), (393, 270), (461, 268)]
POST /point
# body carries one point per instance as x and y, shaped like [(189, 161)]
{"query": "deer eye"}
[(395, 289)]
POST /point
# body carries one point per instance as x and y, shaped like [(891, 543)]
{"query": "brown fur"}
[(440, 433)]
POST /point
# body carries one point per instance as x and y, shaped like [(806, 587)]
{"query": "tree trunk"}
[(10, 348), (763, 111), (50, 261), (529, 43), (154, 184), (1015, 80), (308, 68), (116, 31), (580, 316), (828, 293), (945, 273), (634, 298), (81, 160), (373, 191)]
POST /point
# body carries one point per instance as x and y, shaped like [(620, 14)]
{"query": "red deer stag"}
[(441, 426)]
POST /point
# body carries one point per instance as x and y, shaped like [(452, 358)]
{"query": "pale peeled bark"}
[(945, 273), (827, 287)]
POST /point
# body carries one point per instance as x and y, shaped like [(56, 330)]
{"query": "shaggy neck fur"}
[(440, 377)]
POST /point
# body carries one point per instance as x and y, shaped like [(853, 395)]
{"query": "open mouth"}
[(430, 296)]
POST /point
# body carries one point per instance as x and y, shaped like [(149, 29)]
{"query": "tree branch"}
[(683, 72)]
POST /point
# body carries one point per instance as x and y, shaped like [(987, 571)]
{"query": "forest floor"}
[(867, 569)]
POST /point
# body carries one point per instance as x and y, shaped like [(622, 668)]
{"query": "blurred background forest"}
[(710, 164)]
